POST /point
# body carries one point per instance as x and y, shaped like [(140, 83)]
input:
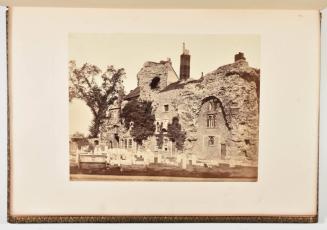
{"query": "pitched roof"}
[(133, 94), (180, 84)]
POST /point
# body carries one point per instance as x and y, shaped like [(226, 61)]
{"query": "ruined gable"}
[(154, 77), (228, 132), (236, 86)]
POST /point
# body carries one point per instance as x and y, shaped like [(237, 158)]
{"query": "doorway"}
[(223, 151)]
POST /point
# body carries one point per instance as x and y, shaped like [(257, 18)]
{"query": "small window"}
[(125, 143), (210, 106), (166, 107), (211, 121), (158, 129), (130, 143), (157, 146), (211, 141), (165, 144)]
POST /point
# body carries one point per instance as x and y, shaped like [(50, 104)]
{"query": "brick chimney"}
[(184, 71), (239, 56)]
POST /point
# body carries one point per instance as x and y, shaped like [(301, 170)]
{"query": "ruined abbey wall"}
[(235, 86)]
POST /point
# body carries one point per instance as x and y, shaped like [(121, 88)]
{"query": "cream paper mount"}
[(244, 88)]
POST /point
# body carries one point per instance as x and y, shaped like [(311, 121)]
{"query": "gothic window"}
[(211, 141), (130, 143), (125, 143), (210, 107), (211, 121), (166, 107)]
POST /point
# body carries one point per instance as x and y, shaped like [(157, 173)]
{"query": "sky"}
[(131, 51)]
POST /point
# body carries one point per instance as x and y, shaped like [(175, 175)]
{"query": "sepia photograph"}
[(164, 107)]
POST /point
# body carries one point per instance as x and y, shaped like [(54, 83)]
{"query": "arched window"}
[(212, 105)]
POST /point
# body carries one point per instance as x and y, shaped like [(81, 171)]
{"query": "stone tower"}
[(154, 77), (184, 73)]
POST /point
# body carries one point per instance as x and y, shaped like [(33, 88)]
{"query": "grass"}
[(171, 171)]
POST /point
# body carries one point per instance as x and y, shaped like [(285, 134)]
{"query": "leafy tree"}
[(98, 90), (140, 113), (176, 134)]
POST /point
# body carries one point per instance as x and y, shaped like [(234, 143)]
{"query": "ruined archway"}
[(213, 130), (216, 103)]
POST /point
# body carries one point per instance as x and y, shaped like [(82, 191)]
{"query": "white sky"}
[(131, 51)]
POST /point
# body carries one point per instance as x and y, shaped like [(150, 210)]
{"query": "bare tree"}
[(97, 89)]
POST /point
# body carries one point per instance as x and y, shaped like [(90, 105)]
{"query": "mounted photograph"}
[(164, 107)]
